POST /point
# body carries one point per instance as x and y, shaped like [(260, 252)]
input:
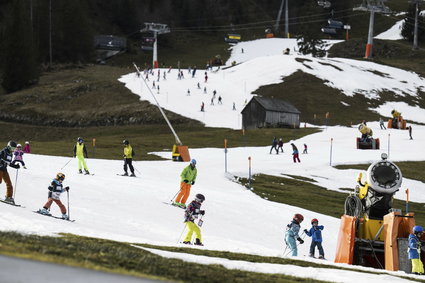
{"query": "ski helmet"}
[(80, 140), (126, 142), (60, 176), (314, 220), (193, 162), (11, 145), (19, 145), (417, 229), (27, 142), (199, 197), (298, 217)]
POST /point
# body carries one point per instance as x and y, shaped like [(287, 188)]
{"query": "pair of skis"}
[(51, 215)]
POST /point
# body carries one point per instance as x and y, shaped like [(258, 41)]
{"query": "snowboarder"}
[(315, 233), (27, 148), (188, 178), (55, 190), (410, 131), (18, 153), (80, 152), (381, 123), (295, 153), (219, 100), (414, 250), (128, 158), (292, 230), (305, 149), (274, 146), (280, 145), (6, 159), (193, 210)]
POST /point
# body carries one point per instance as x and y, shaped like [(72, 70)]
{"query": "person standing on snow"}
[(55, 190), (18, 156), (274, 146), (27, 148), (193, 210), (80, 152), (295, 153), (316, 238), (128, 158), (410, 131), (292, 230), (280, 145), (6, 159), (188, 178), (381, 123), (305, 149), (415, 250)]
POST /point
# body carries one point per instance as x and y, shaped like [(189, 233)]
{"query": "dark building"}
[(263, 112)]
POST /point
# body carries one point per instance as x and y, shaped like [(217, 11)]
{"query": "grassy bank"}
[(122, 258), (315, 198)]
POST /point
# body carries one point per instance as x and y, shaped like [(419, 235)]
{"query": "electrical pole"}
[(373, 6), (415, 31), (286, 19), (276, 27), (50, 33), (156, 29)]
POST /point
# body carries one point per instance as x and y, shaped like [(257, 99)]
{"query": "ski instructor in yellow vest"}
[(80, 152)]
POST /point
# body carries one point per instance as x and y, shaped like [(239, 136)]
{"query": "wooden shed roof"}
[(272, 104)]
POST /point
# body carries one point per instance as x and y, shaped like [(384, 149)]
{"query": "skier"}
[(153, 85), (280, 145), (128, 158), (188, 92), (415, 250), (199, 85), (27, 148), (164, 76), (206, 77), (305, 149), (381, 123), (188, 178), (212, 101), (80, 152), (274, 146), (202, 107), (192, 211), (205, 89), (234, 106), (410, 131), (214, 93), (194, 72), (316, 238), (6, 159), (18, 153), (291, 234), (219, 100), (295, 153), (55, 190)]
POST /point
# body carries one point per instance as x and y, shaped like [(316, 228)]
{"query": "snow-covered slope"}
[(262, 63)]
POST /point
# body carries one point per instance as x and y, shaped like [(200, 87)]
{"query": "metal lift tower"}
[(155, 29)]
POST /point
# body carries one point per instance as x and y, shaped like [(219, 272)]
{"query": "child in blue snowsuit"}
[(291, 234), (316, 234), (415, 250)]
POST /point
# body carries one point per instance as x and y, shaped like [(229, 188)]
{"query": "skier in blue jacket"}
[(415, 250), (315, 233), (291, 234)]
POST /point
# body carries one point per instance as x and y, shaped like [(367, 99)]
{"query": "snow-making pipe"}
[(159, 107)]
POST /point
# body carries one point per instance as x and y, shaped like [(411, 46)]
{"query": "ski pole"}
[(66, 164), (137, 170), (181, 235), (174, 196), (67, 198), (16, 184)]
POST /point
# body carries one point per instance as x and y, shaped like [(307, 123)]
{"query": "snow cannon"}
[(366, 141), (372, 233), (180, 153), (397, 122)]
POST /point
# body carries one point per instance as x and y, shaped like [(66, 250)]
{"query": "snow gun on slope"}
[(397, 122), (372, 233), (366, 141), (180, 151)]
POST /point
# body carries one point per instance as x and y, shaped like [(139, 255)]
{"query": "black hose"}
[(353, 206)]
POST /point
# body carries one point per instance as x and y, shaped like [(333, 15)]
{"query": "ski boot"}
[(80, 171), (132, 175), (321, 257), (9, 200), (125, 174), (182, 205), (86, 172), (65, 216), (198, 242), (44, 211), (311, 255), (187, 243)]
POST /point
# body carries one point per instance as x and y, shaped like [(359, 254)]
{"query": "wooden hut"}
[(263, 112)]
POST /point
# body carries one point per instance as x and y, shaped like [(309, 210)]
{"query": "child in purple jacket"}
[(18, 154)]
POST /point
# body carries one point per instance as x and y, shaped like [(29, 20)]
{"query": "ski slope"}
[(262, 63)]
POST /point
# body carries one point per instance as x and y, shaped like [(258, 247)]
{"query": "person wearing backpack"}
[(128, 158)]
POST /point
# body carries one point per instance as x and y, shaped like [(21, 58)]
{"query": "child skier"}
[(415, 250), (188, 178), (295, 153), (18, 153), (55, 190), (128, 158), (316, 238), (192, 212), (291, 234), (27, 148), (80, 152), (274, 146), (5, 160), (280, 145), (305, 149)]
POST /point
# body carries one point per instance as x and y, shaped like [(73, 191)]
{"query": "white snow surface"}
[(263, 63), (404, 108), (394, 33)]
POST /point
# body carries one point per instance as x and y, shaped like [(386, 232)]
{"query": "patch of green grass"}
[(315, 198), (122, 258), (147, 138)]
